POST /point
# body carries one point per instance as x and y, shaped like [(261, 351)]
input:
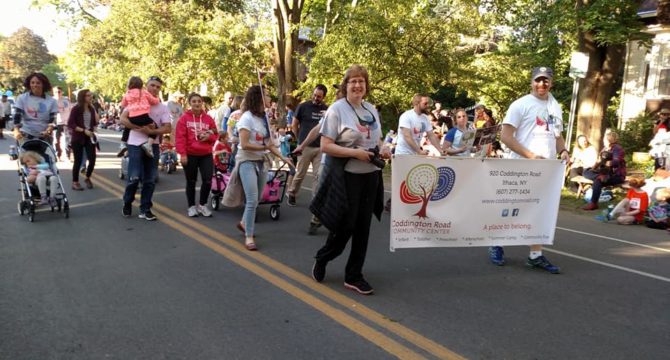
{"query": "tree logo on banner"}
[(426, 183)]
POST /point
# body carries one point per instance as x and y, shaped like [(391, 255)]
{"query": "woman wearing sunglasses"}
[(351, 188)]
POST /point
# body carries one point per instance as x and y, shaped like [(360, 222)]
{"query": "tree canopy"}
[(21, 53)]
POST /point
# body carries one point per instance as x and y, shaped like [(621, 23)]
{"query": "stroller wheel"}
[(66, 210), (274, 212), (31, 213), (121, 176), (215, 201), (21, 206), (172, 167)]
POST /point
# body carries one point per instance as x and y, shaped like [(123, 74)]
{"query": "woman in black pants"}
[(82, 123), (351, 188), (194, 139)]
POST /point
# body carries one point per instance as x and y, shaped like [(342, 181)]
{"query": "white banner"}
[(452, 202)]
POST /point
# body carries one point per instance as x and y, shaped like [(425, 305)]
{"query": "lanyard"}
[(365, 123)]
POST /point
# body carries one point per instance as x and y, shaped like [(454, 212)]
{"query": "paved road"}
[(99, 286)]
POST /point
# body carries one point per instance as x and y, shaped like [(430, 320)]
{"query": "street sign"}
[(579, 65)]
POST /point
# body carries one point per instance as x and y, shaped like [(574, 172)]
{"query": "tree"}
[(287, 15), (405, 48), (21, 53)]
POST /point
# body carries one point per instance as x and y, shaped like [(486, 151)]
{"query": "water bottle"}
[(13, 153)]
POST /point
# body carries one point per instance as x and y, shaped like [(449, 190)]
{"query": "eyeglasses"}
[(356, 82)]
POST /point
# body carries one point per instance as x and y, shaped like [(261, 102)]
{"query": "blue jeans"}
[(253, 176), (141, 168)]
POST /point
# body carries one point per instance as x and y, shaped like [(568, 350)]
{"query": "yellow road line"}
[(377, 318)]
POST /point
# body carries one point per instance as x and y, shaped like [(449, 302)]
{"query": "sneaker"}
[(590, 206), (127, 210), (360, 286), (544, 264), (497, 255), (318, 271), (122, 150), (204, 211), (193, 211), (313, 227), (291, 200), (148, 215), (148, 149)]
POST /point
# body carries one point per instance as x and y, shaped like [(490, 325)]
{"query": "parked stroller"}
[(29, 192)]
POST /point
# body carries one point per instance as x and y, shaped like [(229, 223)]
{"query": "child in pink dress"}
[(138, 102)]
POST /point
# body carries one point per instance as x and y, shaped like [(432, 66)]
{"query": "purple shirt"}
[(160, 115)]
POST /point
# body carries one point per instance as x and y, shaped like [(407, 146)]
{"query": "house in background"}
[(646, 79)]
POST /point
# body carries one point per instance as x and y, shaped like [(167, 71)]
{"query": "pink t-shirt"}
[(138, 102), (160, 115)]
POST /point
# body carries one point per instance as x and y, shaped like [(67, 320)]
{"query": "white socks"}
[(535, 254)]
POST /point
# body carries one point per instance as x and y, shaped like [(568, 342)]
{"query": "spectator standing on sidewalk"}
[(307, 116), (5, 114), (532, 129), (142, 168)]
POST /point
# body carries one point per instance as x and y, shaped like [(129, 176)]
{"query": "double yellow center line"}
[(234, 251)]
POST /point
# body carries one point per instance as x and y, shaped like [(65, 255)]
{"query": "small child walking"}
[(39, 173), (138, 102), (633, 208)]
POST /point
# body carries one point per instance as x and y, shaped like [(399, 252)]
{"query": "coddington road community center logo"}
[(426, 183)]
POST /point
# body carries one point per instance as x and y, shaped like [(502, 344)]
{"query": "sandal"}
[(76, 186), (251, 246)]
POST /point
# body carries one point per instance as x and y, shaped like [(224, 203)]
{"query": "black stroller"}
[(29, 192)]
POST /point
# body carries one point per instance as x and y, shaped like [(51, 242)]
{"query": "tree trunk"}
[(286, 28), (663, 12), (597, 87)]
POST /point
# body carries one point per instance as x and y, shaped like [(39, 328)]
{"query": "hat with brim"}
[(542, 71), (665, 111)]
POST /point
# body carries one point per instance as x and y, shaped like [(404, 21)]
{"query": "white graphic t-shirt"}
[(418, 124), (36, 112), (258, 133), (538, 123), (353, 127)]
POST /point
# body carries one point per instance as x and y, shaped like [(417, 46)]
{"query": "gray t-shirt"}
[(87, 120), (36, 112), (353, 127)]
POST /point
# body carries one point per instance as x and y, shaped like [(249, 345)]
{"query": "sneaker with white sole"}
[(148, 149), (360, 286), (147, 215), (204, 211), (193, 211)]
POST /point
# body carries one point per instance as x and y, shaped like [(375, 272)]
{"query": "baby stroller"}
[(29, 192), (275, 189), (219, 180)]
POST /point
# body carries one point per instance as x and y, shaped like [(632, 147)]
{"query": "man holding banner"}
[(532, 130)]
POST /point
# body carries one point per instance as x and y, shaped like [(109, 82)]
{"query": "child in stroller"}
[(168, 157), (38, 172), (221, 154)]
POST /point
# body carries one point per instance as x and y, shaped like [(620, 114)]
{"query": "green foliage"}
[(403, 46), (637, 134), (186, 44), (21, 53)]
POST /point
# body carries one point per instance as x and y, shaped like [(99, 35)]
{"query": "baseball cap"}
[(664, 111), (542, 71)]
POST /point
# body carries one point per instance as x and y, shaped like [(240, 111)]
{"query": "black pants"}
[(600, 181), (205, 164), (361, 196), (78, 150)]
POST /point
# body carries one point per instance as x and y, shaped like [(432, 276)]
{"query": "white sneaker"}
[(204, 211), (192, 211)]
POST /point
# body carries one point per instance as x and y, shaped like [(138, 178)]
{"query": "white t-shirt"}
[(418, 125), (36, 112), (342, 124), (64, 108), (538, 123), (160, 115), (258, 133)]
